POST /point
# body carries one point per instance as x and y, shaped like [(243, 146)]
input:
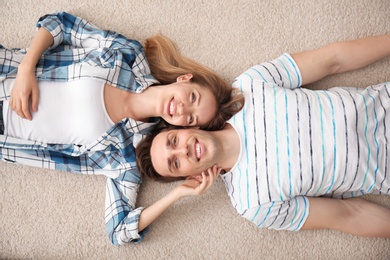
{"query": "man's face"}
[(183, 152)]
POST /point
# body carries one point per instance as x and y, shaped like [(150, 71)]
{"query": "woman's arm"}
[(341, 57), (189, 187), (53, 30), (354, 216), (26, 86), (77, 32), (64, 29), (125, 223)]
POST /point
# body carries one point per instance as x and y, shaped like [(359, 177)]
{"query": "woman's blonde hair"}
[(167, 64)]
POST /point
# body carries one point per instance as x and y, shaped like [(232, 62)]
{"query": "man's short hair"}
[(144, 159)]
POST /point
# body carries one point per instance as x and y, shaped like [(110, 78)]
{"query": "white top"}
[(68, 113), (296, 143)]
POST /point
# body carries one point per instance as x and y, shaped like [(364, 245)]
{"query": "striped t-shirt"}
[(297, 143)]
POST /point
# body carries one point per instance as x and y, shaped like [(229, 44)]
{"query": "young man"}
[(295, 158)]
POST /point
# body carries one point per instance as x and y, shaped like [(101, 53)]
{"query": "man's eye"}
[(193, 97), (176, 163), (191, 120)]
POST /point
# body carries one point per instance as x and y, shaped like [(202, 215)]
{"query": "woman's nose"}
[(182, 110)]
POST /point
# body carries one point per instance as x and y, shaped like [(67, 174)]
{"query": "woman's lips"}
[(171, 107)]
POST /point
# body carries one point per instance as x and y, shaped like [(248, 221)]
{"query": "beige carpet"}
[(57, 215)]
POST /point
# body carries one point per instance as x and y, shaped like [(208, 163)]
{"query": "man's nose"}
[(182, 150)]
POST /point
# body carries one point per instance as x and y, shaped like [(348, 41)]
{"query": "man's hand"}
[(24, 89)]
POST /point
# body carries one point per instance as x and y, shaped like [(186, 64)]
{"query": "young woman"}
[(294, 158), (79, 98)]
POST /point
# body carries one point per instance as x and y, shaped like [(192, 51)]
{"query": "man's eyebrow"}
[(167, 145), (169, 165), (167, 142)]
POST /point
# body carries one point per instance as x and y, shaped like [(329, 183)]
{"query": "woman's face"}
[(184, 103)]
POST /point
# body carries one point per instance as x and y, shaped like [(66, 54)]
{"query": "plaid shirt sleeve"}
[(85, 48), (111, 154), (121, 215)]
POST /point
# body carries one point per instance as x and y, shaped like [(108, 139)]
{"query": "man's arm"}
[(354, 216), (341, 57)]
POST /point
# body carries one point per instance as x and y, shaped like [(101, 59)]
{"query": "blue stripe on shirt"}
[(322, 143), (366, 139), (376, 143), (334, 144)]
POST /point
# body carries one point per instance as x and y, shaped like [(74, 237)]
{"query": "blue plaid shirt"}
[(82, 50)]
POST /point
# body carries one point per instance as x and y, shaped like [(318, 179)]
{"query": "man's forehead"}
[(164, 135), (157, 141), (157, 152)]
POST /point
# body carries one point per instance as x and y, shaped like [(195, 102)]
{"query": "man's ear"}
[(185, 77)]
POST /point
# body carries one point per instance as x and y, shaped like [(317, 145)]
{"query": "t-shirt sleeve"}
[(282, 71), (280, 215)]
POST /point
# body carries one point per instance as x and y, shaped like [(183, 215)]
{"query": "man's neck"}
[(230, 143)]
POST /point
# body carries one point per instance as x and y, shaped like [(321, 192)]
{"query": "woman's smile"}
[(172, 107)]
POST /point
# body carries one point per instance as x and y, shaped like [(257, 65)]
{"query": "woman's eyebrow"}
[(197, 103)]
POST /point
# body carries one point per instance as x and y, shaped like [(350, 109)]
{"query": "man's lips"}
[(197, 150)]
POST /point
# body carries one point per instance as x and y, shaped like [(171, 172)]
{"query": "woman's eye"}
[(174, 141), (191, 120), (193, 97)]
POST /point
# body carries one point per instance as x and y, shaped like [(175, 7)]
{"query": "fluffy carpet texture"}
[(58, 215)]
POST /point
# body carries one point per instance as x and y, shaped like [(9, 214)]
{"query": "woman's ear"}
[(185, 77), (196, 177)]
